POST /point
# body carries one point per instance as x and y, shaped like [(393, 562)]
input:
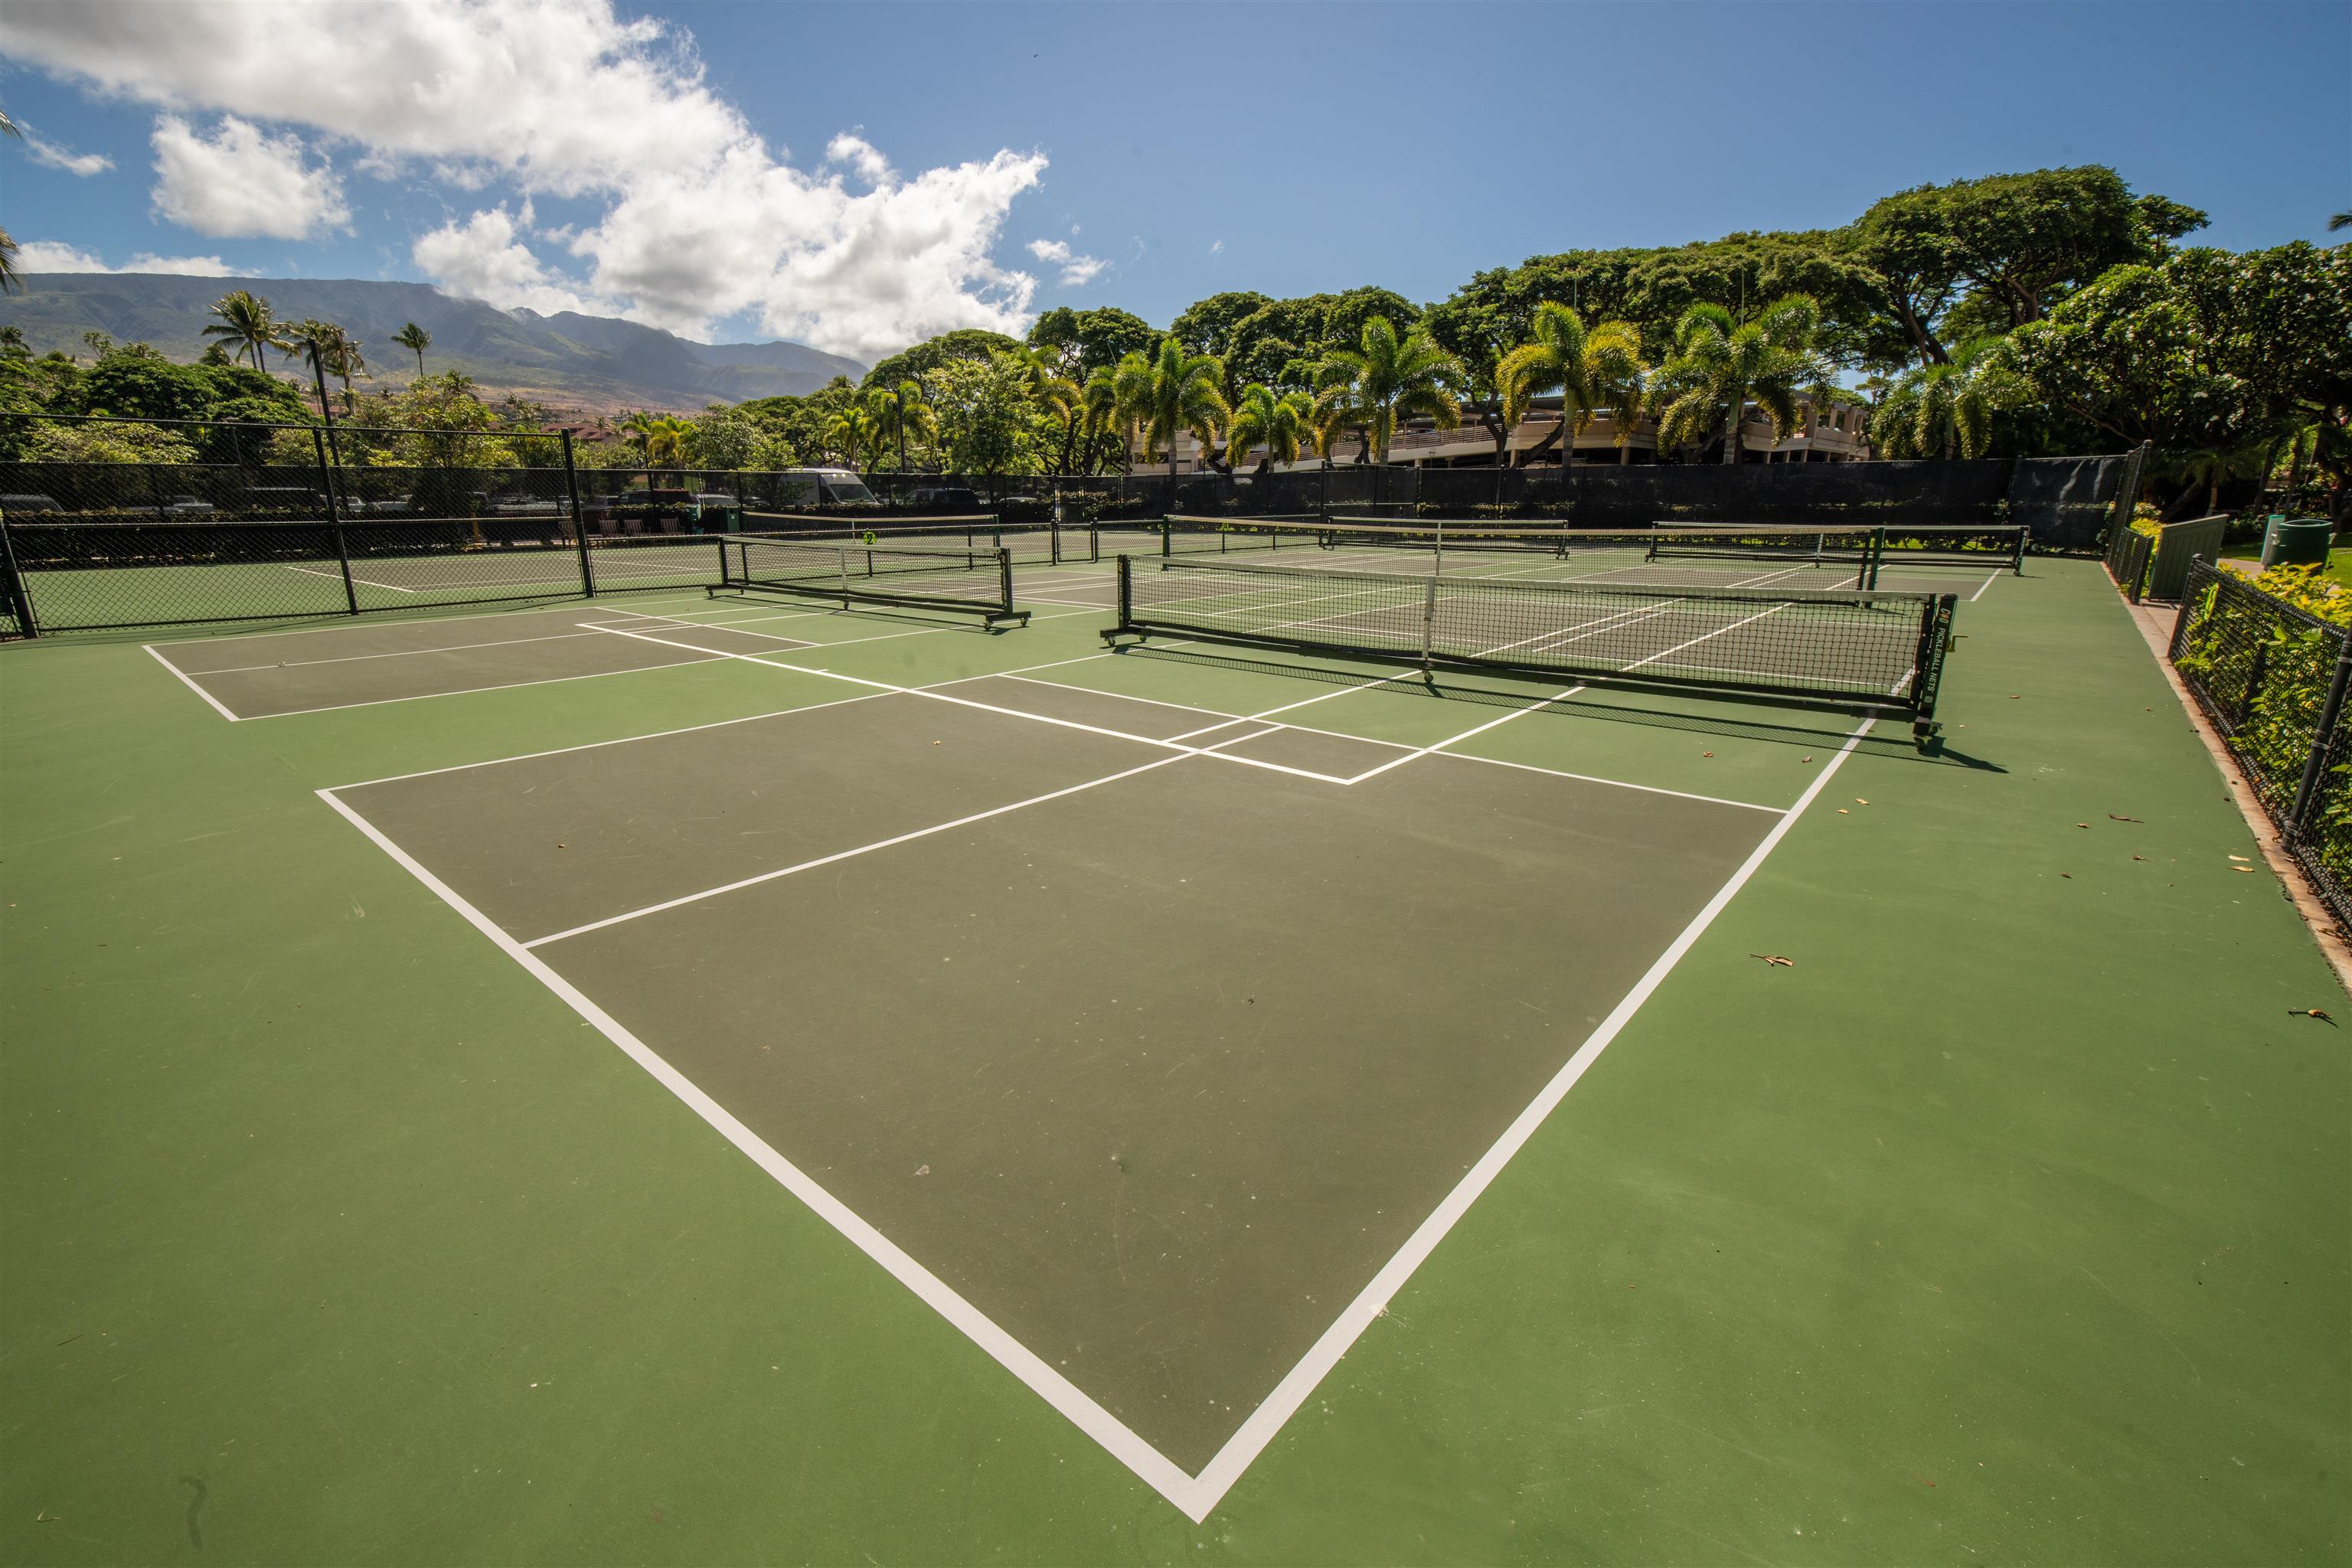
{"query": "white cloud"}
[(700, 218), (50, 155), (1218, 249), (482, 260), (1076, 270), (52, 255), (242, 181)]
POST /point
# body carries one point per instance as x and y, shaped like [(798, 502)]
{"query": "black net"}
[(1029, 543), (2129, 553), (976, 581), (1873, 650)]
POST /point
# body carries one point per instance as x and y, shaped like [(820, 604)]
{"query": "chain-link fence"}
[(2273, 679), (119, 522)]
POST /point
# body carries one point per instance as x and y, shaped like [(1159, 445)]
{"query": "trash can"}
[(2298, 541)]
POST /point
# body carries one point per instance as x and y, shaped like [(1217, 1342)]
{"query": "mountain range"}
[(595, 363)]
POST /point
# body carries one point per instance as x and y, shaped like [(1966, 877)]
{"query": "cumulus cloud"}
[(1076, 270), (700, 220), (51, 255), (482, 260), (242, 181), (50, 155)]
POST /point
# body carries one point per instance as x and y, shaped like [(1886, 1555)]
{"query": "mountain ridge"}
[(596, 363)]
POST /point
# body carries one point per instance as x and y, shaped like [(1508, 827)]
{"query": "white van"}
[(822, 487)]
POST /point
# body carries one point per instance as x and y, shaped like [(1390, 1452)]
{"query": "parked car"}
[(944, 498), (189, 506), (27, 503)]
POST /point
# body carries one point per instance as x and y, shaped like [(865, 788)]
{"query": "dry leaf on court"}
[(1859, 801), (2237, 856), (2082, 824), (1707, 753), (922, 1170), (2113, 817), (1843, 812), (2312, 1013), (1775, 958), (2249, 870)]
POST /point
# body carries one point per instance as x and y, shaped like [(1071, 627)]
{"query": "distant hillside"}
[(594, 363)]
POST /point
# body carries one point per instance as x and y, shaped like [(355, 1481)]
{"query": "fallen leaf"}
[(2326, 1018), (2012, 697), (2068, 875), (2139, 856), (2082, 824), (2113, 817), (1799, 759), (1775, 958), (1843, 812), (924, 1170), (2237, 856), (2249, 870), (1707, 753), (1859, 801)]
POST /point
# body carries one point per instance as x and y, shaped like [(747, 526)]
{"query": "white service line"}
[(191, 684), (1154, 1469), (937, 696), (508, 686), (737, 886), (370, 582), (589, 631), (1219, 1474)]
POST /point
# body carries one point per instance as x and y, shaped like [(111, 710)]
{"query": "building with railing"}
[(1836, 434)]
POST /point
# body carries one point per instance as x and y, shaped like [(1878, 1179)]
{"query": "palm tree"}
[(1169, 392), (659, 439), (900, 412), (1942, 410), (1601, 368), (1275, 421), (8, 273), (2341, 220), (851, 432), (1718, 366), (1387, 379), (247, 324), (416, 340), (1099, 407)]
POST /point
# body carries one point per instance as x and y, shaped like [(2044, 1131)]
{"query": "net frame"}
[(850, 573), (1913, 628), (1033, 542)]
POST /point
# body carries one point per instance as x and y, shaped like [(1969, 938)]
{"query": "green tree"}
[(416, 340), (1718, 366), (1385, 379), (1264, 417), (919, 363), (1170, 391), (245, 324), (900, 412), (1997, 252), (720, 437), (989, 423), (1944, 410), (1083, 342), (852, 433), (1103, 424)]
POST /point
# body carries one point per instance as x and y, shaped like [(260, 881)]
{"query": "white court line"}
[(1220, 1474), (937, 696), (396, 653), (191, 684), (737, 886), (1620, 784), (342, 620), (470, 690), (394, 587), (1155, 1469)]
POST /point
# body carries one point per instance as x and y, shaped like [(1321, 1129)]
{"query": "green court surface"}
[(692, 1078)]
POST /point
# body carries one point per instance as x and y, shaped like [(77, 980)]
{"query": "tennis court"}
[(1532, 1057)]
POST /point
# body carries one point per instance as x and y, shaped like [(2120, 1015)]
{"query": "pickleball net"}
[(975, 579), (1882, 651)]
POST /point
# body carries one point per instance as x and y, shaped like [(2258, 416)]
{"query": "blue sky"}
[(858, 177)]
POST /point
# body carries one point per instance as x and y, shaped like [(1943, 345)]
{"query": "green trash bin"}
[(2299, 542)]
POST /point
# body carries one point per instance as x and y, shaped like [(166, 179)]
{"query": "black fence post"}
[(334, 520), (18, 600), (2329, 712), (579, 519)]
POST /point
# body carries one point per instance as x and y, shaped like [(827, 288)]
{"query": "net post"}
[(580, 523), (2016, 557), (1167, 526), (2330, 711), (1428, 621), (1927, 664), (334, 519), (1004, 578), (20, 600), (1875, 555), (1126, 593)]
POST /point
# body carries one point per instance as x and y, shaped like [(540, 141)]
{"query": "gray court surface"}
[(1155, 1071)]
